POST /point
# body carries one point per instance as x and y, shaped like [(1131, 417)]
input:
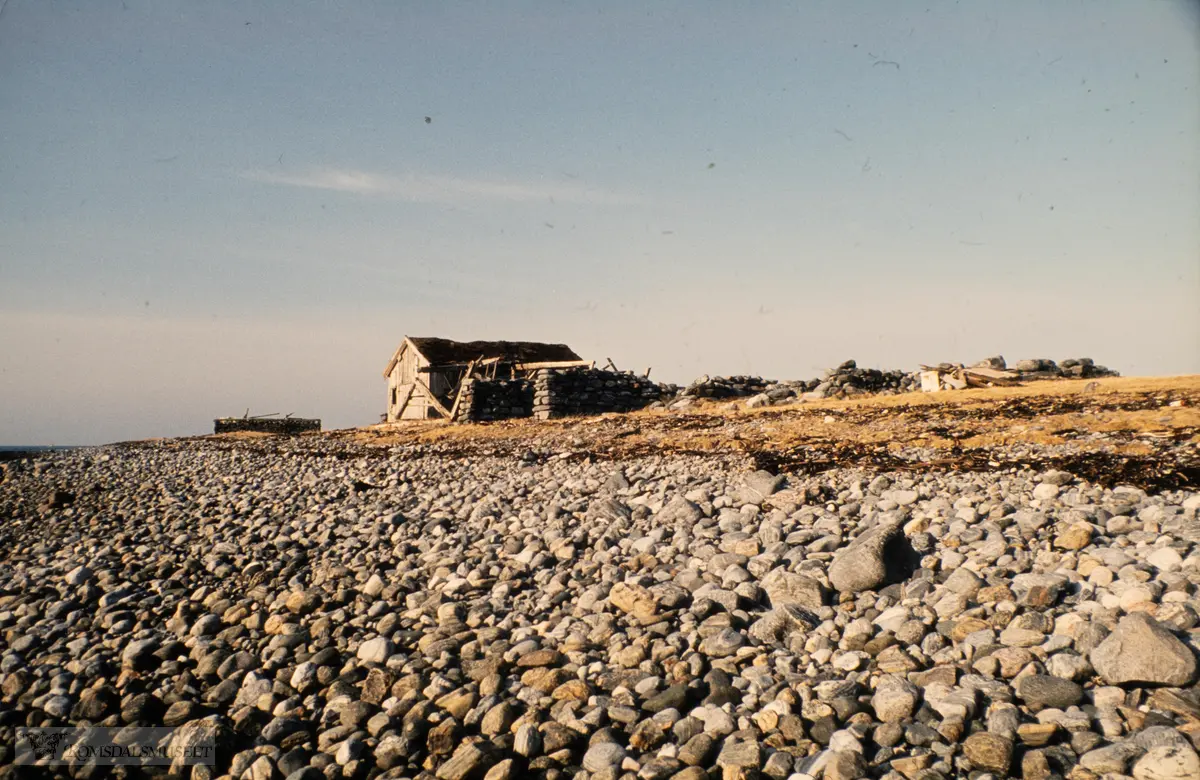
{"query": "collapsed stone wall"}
[(844, 381), (495, 399), (582, 391), (848, 380), (277, 425), (719, 387)]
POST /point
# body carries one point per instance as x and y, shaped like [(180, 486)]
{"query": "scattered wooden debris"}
[(947, 376)]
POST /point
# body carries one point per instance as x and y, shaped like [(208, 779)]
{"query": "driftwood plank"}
[(1003, 378), (550, 364)]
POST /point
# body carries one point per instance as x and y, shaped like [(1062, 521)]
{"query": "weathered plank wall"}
[(402, 384)]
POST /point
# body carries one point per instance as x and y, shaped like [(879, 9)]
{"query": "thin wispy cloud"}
[(450, 190)]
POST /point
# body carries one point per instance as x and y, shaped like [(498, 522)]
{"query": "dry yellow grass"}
[(240, 435), (1143, 431), (1127, 408)]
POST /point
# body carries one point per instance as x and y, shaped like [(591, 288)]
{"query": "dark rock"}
[(675, 697), (96, 703), (1039, 691)]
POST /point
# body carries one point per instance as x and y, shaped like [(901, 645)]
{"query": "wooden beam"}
[(550, 364), (442, 367), (993, 374), (432, 398), (395, 358), (976, 379), (404, 401)]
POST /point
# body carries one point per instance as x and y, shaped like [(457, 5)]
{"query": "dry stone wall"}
[(496, 399), (581, 391)]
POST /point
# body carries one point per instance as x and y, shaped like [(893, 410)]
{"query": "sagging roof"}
[(438, 351), (444, 351)]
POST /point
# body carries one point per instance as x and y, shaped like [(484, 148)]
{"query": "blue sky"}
[(212, 206)]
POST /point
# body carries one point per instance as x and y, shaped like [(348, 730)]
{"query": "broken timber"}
[(551, 364), (431, 398), (944, 377)]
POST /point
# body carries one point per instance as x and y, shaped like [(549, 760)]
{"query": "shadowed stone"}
[(880, 556)]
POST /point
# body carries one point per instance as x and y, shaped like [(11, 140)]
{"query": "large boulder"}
[(1142, 651), (761, 485), (879, 556), (1168, 762), (678, 511)]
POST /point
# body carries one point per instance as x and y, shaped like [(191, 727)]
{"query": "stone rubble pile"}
[(581, 391), (848, 380), (845, 381), (1042, 368), (721, 387), (332, 614)]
